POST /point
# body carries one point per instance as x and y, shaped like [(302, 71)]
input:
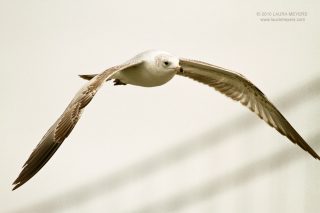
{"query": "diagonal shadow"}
[(107, 184), (228, 181)]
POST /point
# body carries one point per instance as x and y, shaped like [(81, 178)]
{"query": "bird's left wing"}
[(60, 130), (240, 89)]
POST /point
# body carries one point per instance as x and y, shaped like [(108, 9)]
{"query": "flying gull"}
[(154, 68)]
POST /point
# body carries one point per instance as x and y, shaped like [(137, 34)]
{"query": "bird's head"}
[(163, 62), (167, 63)]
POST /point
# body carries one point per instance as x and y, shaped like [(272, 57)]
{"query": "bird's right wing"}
[(240, 89), (60, 130)]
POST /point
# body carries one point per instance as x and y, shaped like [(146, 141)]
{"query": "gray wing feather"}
[(60, 130), (240, 89)]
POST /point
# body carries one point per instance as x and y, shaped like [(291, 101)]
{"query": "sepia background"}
[(181, 147)]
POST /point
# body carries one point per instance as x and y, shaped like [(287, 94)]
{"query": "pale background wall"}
[(181, 147)]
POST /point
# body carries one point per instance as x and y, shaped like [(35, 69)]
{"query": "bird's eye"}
[(166, 63)]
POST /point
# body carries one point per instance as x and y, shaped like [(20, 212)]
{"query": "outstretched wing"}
[(60, 130), (240, 89)]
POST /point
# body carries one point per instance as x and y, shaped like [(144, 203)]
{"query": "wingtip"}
[(311, 151), (317, 157), (16, 185)]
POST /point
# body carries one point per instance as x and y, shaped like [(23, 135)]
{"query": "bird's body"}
[(145, 73), (155, 68)]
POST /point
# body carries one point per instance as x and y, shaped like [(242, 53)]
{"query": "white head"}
[(162, 62)]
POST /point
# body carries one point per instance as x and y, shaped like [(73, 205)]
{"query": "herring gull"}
[(154, 68)]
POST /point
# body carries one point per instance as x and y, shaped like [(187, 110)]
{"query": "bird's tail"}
[(87, 77)]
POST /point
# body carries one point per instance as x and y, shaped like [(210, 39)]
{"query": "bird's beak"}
[(179, 69)]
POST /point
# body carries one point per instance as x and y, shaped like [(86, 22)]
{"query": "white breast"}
[(144, 75)]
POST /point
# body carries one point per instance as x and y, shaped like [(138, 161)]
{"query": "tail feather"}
[(87, 77)]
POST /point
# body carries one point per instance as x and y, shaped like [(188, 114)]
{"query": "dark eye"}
[(166, 63)]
